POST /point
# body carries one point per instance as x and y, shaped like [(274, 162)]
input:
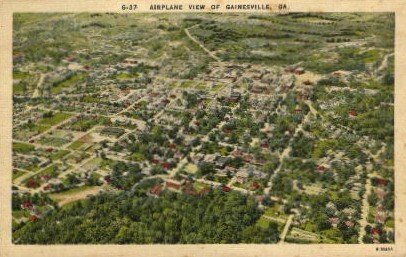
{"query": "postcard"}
[(218, 128)]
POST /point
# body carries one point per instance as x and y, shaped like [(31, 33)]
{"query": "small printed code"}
[(384, 249)]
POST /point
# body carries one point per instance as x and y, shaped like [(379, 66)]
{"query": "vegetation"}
[(173, 218)]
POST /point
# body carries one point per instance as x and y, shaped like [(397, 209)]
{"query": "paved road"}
[(364, 209), (285, 229)]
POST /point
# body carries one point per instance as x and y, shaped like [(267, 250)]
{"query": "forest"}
[(122, 218)]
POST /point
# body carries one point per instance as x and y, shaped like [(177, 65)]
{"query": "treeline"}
[(173, 218)]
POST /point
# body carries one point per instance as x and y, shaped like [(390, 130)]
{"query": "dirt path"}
[(202, 46), (384, 64), (39, 86)]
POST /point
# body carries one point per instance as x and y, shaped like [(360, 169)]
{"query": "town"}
[(155, 106)]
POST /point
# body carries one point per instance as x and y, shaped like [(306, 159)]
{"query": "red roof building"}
[(166, 165), (307, 82), (375, 231), (34, 218), (265, 145), (352, 114), (382, 182), (27, 205), (156, 190), (255, 185), (349, 224), (321, 169), (173, 185), (225, 189)]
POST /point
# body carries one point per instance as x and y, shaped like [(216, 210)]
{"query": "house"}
[(221, 162), (234, 97), (27, 205), (349, 224), (299, 71), (331, 206), (166, 165), (130, 62), (375, 231), (321, 169), (237, 153), (255, 185), (265, 145), (174, 184), (349, 211), (352, 114), (197, 157), (307, 82), (242, 176), (380, 193), (34, 218), (334, 221), (247, 157), (380, 217), (381, 182), (210, 158), (225, 189), (156, 190), (257, 90)]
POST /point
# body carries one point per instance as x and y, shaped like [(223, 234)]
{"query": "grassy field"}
[(55, 119), (51, 171), (74, 194), (58, 155), (74, 80), (53, 141), (23, 148), (17, 173), (28, 130), (126, 76)]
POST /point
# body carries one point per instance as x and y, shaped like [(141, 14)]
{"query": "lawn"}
[(198, 186), (17, 173), (390, 223), (126, 76), (51, 171), (76, 145), (191, 168), (52, 141), (75, 79), (20, 214), (137, 157), (74, 194), (93, 163), (28, 130), (85, 124), (55, 119), (23, 148), (275, 211), (263, 222), (18, 88), (58, 155)]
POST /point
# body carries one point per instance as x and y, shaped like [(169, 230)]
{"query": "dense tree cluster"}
[(173, 218)]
